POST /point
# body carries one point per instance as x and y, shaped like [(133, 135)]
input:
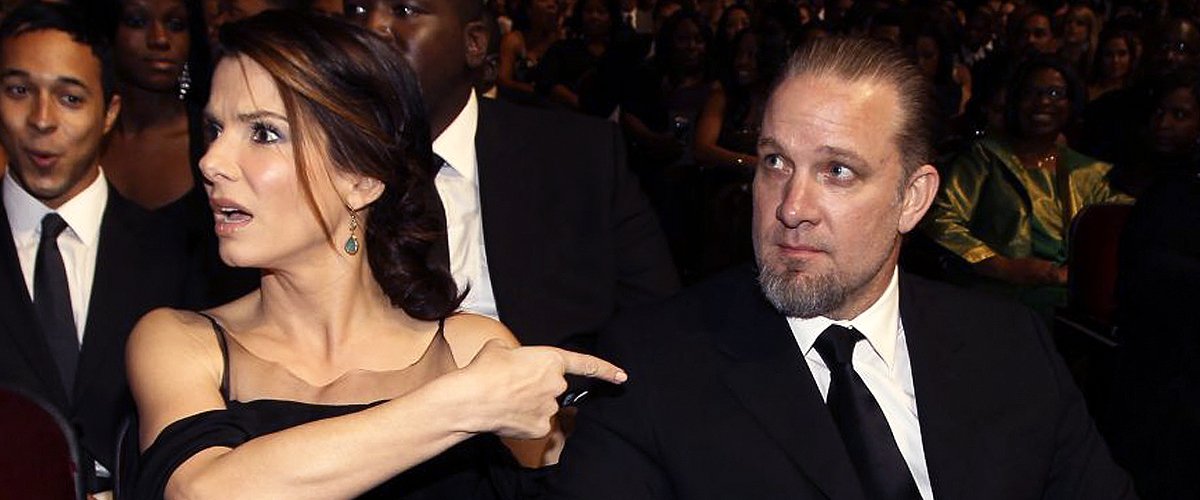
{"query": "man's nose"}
[(798, 204), (380, 21), (43, 117)]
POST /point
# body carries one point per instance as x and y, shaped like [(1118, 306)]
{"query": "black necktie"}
[(52, 300), (439, 254), (860, 421)]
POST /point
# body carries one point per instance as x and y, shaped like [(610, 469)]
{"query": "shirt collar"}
[(880, 324), (456, 144), (82, 213)]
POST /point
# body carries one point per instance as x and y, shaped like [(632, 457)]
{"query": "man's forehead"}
[(49, 53), (823, 111), (834, 99)]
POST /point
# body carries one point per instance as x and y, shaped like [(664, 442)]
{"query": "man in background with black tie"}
[(80, 263), (825, 372)]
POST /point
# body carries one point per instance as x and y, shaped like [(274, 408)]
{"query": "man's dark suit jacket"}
[(140, 264), (720, 404), (570, 237)]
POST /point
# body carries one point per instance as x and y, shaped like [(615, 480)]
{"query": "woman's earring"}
[(351, 245), (185, 82)]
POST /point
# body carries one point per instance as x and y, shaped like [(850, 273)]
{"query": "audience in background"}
[(1170, 139), (569, 67), (1116, 63), (80, 262), (1006, 202), (522, 49), (549, 232)]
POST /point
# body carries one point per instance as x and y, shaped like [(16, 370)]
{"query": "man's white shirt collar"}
[(456, 144), (880, 324), (82, 213)]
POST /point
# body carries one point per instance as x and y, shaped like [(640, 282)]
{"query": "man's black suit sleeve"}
[(611, 453), (645, 270), (1082, 466)]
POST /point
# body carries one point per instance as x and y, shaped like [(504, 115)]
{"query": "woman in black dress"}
[(346, 373)]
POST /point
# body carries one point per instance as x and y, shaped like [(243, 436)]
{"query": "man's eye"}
[(356, 11), (71, 100), (264, 134), (403, 11), (773, 162), (841, 172), (16, 90)]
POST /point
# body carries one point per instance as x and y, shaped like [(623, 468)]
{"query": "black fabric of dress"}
[(478, 468)]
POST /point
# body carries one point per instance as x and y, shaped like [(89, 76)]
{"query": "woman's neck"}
[(142, 109), (328, 296)]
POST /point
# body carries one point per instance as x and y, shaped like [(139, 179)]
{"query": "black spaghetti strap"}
[(220, 331)]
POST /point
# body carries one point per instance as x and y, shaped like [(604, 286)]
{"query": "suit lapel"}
[(503, 222), (115, 280), (943, 396), (20, 321), (767, 373)]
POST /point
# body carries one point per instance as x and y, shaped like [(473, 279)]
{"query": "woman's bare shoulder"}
[(467, 333)]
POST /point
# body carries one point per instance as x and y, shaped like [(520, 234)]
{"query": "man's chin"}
[(801, 294)]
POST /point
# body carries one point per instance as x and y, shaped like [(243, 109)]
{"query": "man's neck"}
[(445, 115)]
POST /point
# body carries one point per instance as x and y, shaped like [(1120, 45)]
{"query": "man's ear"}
[(921, 188), (111, 112), (475, 39)]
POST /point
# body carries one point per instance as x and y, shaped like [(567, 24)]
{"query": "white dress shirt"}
[(77, 243), (458, 185), (883, 364)]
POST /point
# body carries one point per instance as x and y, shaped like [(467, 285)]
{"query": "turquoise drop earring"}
[(351, 245)]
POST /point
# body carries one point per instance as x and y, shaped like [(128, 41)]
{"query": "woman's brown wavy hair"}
[(354, 98)]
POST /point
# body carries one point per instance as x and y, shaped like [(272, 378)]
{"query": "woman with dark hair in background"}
[(1007, 201), (666, 96), (569, 63), (346, 373), (1171, 138), (660, 104), (1115, 64), (522, 50), (151, 151), (934, 50), (726, 145), (734, 20)]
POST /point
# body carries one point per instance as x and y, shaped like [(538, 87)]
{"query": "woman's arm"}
[(511, 47), (175, 371), (708, 130)]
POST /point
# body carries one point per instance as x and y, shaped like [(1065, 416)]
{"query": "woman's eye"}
[(134, 21), (264, 134), (211, 132)]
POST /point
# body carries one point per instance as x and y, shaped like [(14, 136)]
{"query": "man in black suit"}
[(545, 222), (68, 302), (825, 372)]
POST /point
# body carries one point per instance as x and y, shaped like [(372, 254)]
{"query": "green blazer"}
[(989, 203)]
